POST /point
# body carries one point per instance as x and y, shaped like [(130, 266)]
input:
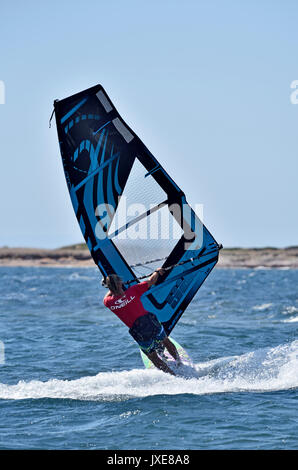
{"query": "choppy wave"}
[(264, 370)]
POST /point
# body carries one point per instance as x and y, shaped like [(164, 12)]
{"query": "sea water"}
[(72, 377)]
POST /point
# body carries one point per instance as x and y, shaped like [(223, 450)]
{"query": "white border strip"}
[(104, 101), (122, 129)]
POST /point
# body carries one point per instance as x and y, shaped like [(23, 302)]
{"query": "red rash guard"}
[(128, 307)]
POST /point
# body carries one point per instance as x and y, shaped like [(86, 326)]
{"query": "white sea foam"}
[(263, 370), (78, 276), (262, 307), (291, 320), (290, 310)]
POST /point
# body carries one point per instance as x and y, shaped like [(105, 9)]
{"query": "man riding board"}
[(143, 326)]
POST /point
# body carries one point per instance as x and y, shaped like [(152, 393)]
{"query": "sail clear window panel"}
[(152, 238)]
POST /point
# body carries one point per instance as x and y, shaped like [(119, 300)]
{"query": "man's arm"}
[(107, 294), (153, 278)]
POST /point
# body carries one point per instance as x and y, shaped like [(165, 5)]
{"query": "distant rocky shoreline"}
[(79, 256)]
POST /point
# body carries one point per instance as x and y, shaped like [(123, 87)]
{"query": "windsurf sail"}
[(132, 214)]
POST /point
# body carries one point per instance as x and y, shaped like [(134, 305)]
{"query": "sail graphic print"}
[(107, 167)]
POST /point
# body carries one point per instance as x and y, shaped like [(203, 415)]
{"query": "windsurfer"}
[(144, 326)]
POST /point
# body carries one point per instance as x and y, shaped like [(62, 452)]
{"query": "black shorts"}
[(148, 332)]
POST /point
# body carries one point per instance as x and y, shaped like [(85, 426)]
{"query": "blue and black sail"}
[(131, 213)]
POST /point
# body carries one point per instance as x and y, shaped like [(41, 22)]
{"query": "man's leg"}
[(159, 363), (172, 349)]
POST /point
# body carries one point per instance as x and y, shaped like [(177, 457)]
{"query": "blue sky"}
[(205, 85)]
